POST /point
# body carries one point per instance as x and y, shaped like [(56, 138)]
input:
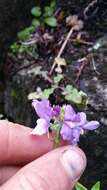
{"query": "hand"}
[(24, 164)]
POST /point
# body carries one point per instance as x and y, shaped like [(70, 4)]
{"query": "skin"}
[(28, 162)]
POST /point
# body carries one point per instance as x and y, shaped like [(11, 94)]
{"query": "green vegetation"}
[(40, 18), (94, 187), (69, 93)]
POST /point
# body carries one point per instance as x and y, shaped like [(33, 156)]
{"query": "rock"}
[(18, 86), (14, 15)]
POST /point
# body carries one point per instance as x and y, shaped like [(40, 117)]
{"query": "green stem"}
[(56, 140)]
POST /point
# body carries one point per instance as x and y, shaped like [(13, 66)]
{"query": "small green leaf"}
[(51, 21), (48, 11), (74, 97), (53, 4), (47, 92), (80, 187), (96, 186), (58, 78), (72, 94), (36, 11), (68, 89), (35, 23), (84, 100), (24, 34), (15, 48)]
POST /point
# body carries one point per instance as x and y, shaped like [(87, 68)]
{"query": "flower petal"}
[(34, 103), (41, 127), (76, 118), (56, 111), (76, 134), (43, 109), (82, 116), (66, 132), (70, 124), (69, 112), (91, 125)]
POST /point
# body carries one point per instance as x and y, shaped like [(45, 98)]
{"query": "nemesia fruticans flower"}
[(44, 111), (69, 124)]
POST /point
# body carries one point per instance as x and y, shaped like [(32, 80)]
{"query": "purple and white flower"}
[(46, 113), (71, 124), (75, 124)]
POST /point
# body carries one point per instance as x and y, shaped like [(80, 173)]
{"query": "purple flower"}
[(70, 124), (43, 109), (74, 124), (56, 111), (41, 127), (46, 113)]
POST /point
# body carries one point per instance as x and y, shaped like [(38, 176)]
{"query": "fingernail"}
[(74, 163)]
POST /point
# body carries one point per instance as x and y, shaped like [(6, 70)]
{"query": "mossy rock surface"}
[(13, 16)]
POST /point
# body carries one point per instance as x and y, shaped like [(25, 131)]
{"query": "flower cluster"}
[(65, 120)]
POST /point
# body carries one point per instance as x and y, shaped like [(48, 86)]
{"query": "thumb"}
[(57, 170)]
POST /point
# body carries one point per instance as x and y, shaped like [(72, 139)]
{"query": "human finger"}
[(18, 146), (58, 169), (7, 172)]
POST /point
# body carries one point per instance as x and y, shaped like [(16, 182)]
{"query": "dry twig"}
[(76, 25), (61, 49)]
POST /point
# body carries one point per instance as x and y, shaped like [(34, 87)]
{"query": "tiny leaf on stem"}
[(36, 11), (58, 78), (47, 92), (79, 186), (48, 11), (51, 21), (96, 186), (35, 23)]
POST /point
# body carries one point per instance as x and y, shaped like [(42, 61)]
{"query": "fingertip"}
[(74, 162), (58, 169)]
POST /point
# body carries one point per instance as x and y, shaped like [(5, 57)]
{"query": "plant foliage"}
[(96, 186), (70, 93), (40, 18)]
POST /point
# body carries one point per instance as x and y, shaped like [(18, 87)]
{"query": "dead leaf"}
[(48, 37), (71, 20), (35, 95), (59, 62), (79, 25), (74, 22)]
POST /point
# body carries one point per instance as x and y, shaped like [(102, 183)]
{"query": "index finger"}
[(18, 147)]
